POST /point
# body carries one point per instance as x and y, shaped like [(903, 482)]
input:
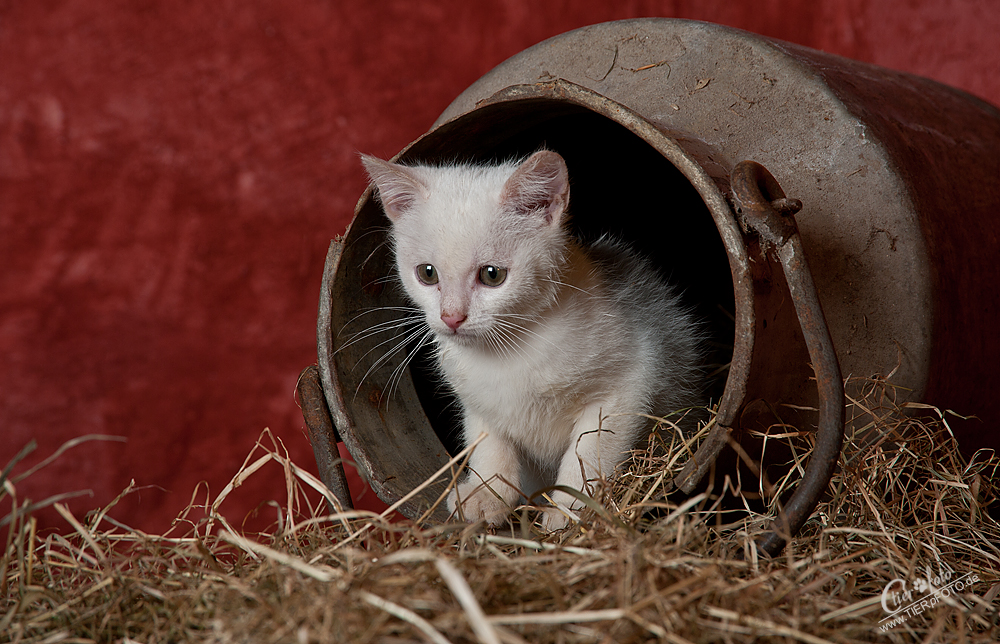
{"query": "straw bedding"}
[(642, 565)]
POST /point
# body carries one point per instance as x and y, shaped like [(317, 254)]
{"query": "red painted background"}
[(171, 173)]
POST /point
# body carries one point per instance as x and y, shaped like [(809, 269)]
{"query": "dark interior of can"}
[(620, 185)]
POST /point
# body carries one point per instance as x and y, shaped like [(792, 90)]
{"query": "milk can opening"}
[(621, 186), (628, 179)]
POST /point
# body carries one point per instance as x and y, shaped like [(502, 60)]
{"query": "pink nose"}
[(453, 320)]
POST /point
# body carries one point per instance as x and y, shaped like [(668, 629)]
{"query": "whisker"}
[(404, 309), (491, 339), (389, 354), (561, 283), (495, 341), (392, 278), (526, 331), (520, 316), (513, 326), (408, 333), (384, 327), (375, 230), (397, 374), (509, 342), (409, 315), (374, 251)]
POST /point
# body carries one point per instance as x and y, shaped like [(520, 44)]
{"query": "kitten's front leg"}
[(489, 491), (592, 454)]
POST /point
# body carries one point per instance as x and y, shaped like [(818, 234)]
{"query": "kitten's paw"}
[(478, 503), (554, 519), (557, 518)]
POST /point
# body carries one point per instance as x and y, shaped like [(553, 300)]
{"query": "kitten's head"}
[(477, 246)]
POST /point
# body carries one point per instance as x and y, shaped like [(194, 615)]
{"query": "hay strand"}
[(904, 508)]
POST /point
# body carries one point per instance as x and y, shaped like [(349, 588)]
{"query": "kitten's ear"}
[(539, 185), (398, 186)]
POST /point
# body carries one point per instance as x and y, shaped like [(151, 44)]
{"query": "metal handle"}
[(762, 206), (323, 436)]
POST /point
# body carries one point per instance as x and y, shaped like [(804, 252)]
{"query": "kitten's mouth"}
[(460, 336)]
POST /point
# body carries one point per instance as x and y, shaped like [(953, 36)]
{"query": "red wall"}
[(172, 172)]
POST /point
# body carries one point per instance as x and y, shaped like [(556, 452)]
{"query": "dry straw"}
[(641, 566)]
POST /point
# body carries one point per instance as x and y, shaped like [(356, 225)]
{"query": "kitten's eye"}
[(427, 274), (492, 275)]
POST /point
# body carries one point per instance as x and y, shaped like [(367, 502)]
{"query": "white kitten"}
[(542, 339)]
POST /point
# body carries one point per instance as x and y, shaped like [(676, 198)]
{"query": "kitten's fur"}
[(575, 338)]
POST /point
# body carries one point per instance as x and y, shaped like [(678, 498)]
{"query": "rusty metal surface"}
[(944, 145), (762, 205), (898, 176), (726, 96), (323, 437)]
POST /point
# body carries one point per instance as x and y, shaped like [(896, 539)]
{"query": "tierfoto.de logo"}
[(902, 602)]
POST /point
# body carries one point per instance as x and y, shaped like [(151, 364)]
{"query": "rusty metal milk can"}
[(898, 179)]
